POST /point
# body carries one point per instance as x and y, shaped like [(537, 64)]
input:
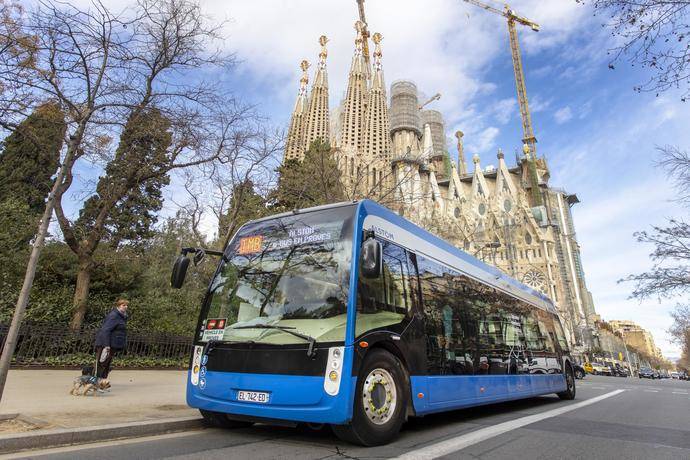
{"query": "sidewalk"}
[(135, 396)]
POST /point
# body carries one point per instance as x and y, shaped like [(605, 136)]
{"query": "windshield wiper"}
[(312, 341)]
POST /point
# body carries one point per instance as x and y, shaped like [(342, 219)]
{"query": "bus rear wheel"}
[(380, 402), (221, 420), (569, 392)]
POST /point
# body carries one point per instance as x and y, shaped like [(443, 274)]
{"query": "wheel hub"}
[(379, 396)]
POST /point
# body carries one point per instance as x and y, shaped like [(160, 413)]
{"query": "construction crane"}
[(433, 98), (529, 141), (365, 32)]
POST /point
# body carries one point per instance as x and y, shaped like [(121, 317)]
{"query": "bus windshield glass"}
[(288, 273)]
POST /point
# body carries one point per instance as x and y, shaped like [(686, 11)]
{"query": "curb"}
[(40, 439)]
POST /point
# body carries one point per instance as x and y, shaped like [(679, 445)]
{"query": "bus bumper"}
[(291, 397)]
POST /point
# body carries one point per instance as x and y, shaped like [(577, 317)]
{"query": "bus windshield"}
[(289, 273)]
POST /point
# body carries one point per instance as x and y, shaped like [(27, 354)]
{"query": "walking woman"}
[(111, 337)]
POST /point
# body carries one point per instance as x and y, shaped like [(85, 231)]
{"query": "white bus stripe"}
[(458, 443)]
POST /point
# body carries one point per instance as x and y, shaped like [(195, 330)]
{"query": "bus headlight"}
[(331, 381)]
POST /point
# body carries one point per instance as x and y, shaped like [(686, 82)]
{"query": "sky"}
[(597, 134)]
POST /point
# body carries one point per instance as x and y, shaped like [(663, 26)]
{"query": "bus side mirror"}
[(371, 259), (179, 272)]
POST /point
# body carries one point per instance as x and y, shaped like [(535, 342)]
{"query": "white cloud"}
[(538, 104), (503, 110), (563, 115), (483, 141)]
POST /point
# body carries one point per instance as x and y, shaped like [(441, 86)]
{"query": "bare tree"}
[(676, 163), (654, 34), (250, 172), (233, 190), (107, 68), (17, 63)]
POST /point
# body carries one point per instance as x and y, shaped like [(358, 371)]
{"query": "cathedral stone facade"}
[(392, 150)]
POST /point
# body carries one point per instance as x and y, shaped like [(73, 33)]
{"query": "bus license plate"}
[(252, 396)]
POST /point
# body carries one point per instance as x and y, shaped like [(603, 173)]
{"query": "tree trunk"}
[(81, 292)]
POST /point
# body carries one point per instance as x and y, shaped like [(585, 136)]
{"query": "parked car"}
[(648, 373), (579, 371), (620, 371), (675, 375), (600, 369)]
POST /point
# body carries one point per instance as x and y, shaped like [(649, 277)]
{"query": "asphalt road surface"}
[(648, 419)]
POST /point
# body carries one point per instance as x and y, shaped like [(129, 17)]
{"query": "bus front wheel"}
[(221, 420), (569, 392), (380, 401)]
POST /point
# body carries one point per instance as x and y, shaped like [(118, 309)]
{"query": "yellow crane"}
[(528, 140), (365, 32)]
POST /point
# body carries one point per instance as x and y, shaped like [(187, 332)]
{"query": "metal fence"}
[(57, 345)]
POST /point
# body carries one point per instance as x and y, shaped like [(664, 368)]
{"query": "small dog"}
[(88, 383)]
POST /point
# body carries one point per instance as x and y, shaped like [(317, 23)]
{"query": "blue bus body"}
[(302, 398)]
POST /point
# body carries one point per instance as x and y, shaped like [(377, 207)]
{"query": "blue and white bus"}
[(352, 316)]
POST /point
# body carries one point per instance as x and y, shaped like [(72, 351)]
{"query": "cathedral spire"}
[(318, 125), (376, 141), (355, 98), (294, 147), (462, 164)]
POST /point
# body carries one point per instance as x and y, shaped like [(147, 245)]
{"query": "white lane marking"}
[(458, 443), (651, 391), (679, 392), (95, 445), (599, 388)]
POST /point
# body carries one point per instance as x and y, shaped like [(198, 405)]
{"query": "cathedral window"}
[(528, 238), (507, 205), (481, 208), (456, 212)]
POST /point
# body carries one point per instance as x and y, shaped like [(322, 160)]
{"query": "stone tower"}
[(355, 99), (294, 146), (375, 138), (318, 125), (405, 123)]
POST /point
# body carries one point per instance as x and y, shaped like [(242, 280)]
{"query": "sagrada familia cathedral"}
[(394, 151)]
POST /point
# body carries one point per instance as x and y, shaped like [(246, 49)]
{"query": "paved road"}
[(649, 419)]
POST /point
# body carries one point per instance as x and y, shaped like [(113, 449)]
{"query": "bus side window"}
[(385, 300), (559, 334)]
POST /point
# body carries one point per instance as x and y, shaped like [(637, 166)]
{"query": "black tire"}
[(579, 374), (363, 430), (569, 393), (221, 420)]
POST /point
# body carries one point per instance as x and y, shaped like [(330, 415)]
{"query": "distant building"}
[(393, 151), (637, 337)]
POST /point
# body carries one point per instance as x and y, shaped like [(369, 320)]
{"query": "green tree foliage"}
[(313, 181), (30, 155), (143, 277), (28, 158), (128, 196)]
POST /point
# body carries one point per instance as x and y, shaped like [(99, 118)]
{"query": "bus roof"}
[(491, 275)]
